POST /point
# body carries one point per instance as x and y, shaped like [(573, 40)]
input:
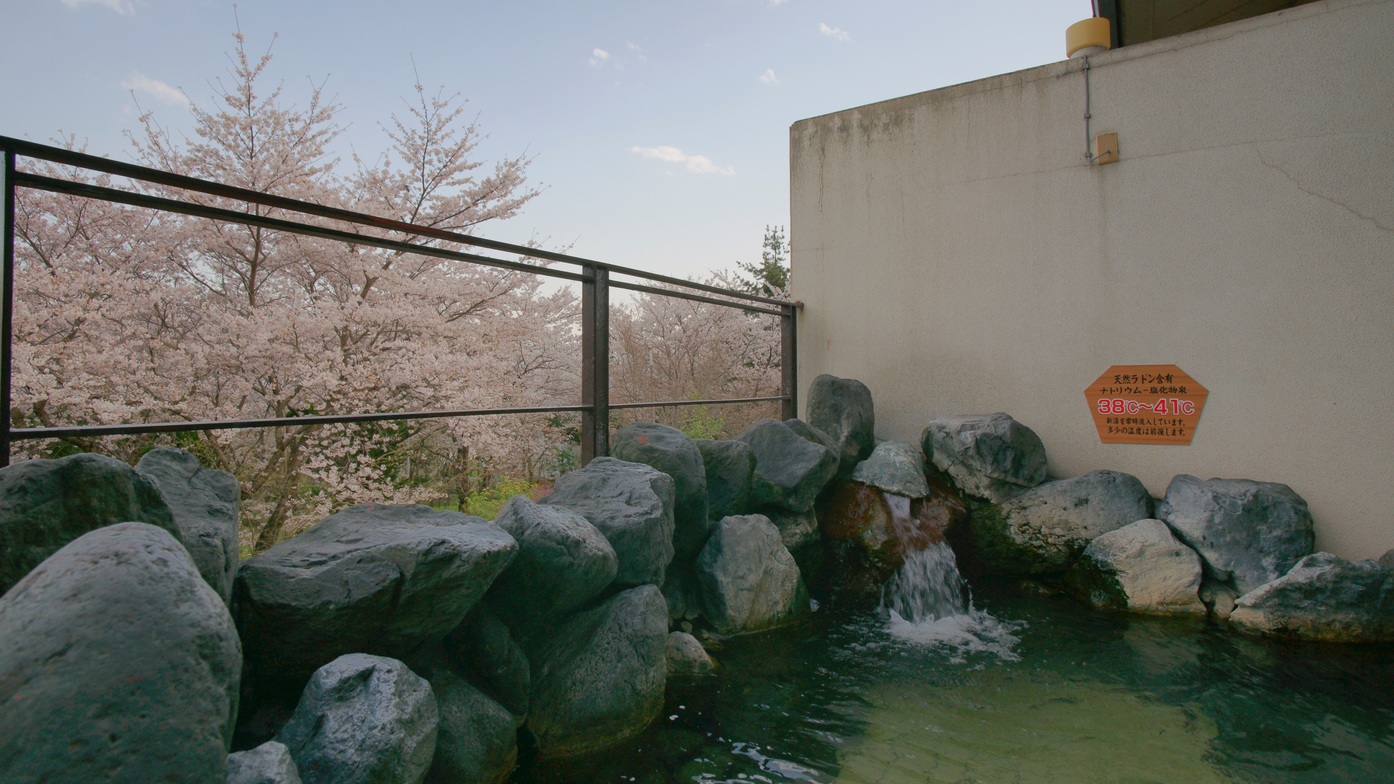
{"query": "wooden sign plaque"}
[(1146, 404)]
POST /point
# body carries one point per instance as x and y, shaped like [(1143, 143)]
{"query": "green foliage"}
[(488, 500), (769, 278), (700, 422)]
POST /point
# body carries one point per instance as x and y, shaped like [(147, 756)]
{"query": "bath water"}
[(1005, 687)]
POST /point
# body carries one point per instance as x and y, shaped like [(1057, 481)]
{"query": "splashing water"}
[(928, 601)]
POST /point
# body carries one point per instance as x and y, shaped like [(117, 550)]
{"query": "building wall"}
[(956, 252)]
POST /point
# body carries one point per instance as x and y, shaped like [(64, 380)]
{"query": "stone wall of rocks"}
[(403, 644)]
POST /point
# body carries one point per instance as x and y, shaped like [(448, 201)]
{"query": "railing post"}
[(789, 362), (7, 302), (595, 364)]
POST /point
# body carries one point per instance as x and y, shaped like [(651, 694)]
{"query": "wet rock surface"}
[(205, 504), (118, 663), (895, 467), (44, 504), (843, 408), (363, 720), (372, 578), (1324, 597), (632, 505), (1140, 568), (1043, 530), (749, 580), (1247, 532), (990, 456)]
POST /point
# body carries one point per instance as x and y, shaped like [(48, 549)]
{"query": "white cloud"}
[(637, 50), (778, 2), (697, 164), (768, 77), (123, 7), (161, 91), (599, 57), (833, 32)]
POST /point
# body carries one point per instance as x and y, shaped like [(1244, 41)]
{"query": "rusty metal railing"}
[(593, 276)]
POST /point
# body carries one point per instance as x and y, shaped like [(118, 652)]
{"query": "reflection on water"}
[(1063, 694)]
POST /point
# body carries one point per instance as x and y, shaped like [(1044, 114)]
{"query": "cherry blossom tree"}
[(130, 315)]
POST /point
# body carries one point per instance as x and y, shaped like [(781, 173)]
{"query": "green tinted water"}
[(1057, 693)]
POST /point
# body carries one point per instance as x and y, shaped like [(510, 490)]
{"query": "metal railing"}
[(594, 277)]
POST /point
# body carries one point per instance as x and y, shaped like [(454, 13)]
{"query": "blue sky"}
[(659, 128)]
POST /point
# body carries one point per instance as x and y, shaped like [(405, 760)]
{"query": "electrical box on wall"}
[(1106, 148)]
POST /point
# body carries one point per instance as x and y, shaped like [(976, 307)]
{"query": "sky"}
[(658, 130)]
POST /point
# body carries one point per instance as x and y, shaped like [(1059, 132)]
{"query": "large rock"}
[(563, 561), (796, 529), (632, 504), (477, 740), (1140, 568), (1323, 597), (842, 408), (790, 470), (370, 579), (989, 456), (1387, 559), (44, 504), (673, 453), (1247, 532), (601, 677), (205, 505), (118, 663), (484, 650), (363, 720), (1043, 530), (269, 763), (686, 657), (870, 532), (749, 580), (730, 470), (895, 467)]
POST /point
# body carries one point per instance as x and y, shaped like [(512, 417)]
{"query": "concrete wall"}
[(957, 253)]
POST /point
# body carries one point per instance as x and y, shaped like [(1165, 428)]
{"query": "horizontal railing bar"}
[(618, 284), (31, 433), (40, 182), (136, 172), (666, 403)]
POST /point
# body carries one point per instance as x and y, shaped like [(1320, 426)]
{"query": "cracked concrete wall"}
[(957, 253)]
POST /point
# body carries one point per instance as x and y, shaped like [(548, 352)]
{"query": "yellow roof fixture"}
[(1087, 37)]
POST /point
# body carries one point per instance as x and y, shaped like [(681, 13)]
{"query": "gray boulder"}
[(269, 763), (363, 720), (44, 504), (205, 505), (370, 579), (1387, 560), (670, 451), (563, 561), (632, 505), (1043, 530), (842, 408), (810, 433), (118, 663), (730, 469), (796, 529), (790, 470), (895, 467), (749, 580), (1324, 597), (483, 649), (477, 740), (1247, 532), (600, 679), (990, 456), (686, 657), (1140, 568)]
